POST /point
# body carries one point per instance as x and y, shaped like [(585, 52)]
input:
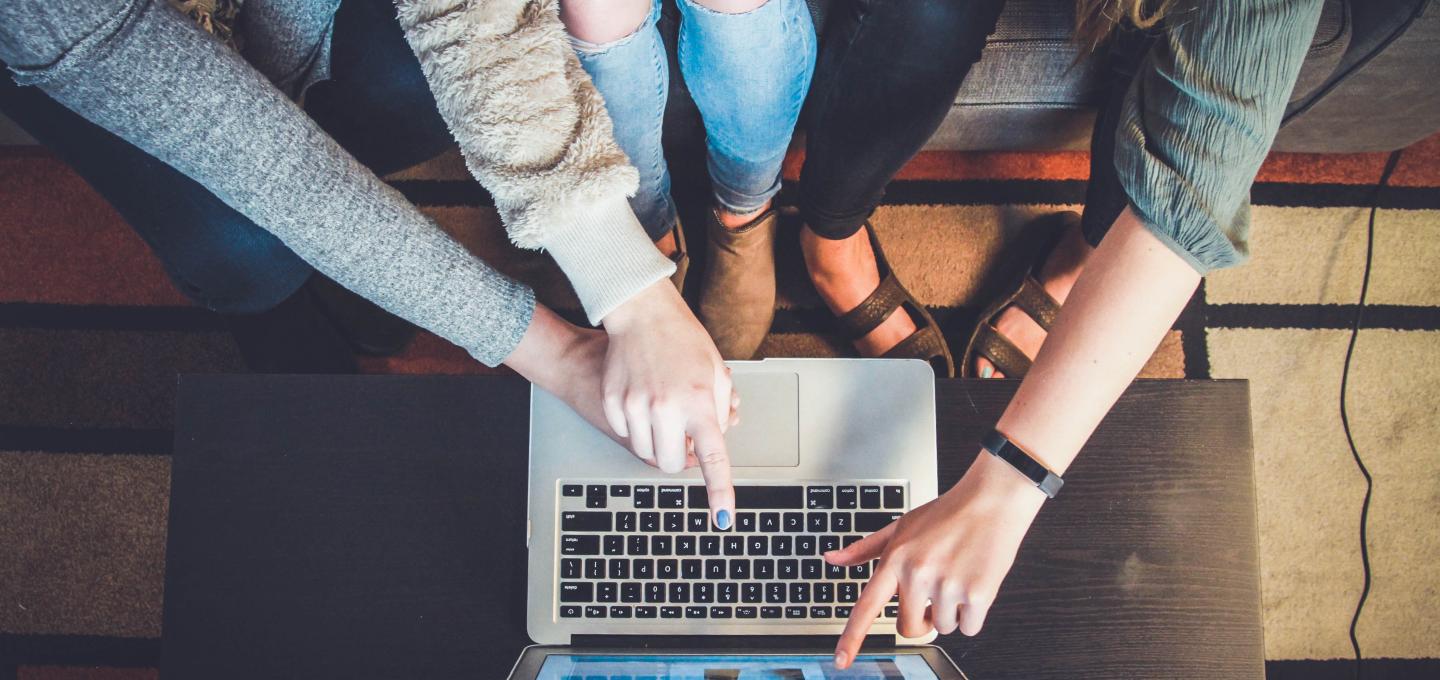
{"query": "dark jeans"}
[(887, 74), (377, 105)]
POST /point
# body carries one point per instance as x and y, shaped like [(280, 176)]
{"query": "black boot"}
[(295, 336), (369, 329)]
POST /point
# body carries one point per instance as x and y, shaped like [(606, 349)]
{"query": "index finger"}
[(715, 467), (872, 601)]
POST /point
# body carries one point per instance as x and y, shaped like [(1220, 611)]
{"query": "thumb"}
[(863, 550)]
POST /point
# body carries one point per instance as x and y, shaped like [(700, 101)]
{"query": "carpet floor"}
[(92, 335)]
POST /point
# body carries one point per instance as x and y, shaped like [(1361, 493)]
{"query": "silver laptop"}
[(827, 451)]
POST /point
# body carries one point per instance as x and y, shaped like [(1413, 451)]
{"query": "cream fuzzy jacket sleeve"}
[(534, 132)]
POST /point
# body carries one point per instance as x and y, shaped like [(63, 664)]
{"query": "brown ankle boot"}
[(737, 296)]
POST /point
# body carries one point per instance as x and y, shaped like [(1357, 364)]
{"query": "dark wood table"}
[(373, 526)]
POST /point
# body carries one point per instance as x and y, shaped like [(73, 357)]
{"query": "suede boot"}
[(737, 297)]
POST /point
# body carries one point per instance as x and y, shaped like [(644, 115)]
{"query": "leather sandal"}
[(927, 342), (1029, 296)]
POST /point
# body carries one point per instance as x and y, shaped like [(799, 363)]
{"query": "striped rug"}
[(92, 336)]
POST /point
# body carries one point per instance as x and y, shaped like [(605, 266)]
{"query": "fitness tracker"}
[(1006, 450)]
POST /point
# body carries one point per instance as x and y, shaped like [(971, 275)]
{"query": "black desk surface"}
[(373, 526)]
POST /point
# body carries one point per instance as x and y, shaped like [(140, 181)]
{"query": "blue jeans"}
[(748, 74), (377, 105)]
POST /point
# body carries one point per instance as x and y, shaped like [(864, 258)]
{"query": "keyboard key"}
[(660, 545), (769, 612), (691, 570), (819, 612), (770, 521), (869, 497), (570, 568), (757, 545), (579, 544), (788, 569), (697, 522), (619, 569), (572, 491), (703, 593), (715, 569), (645, 497), (614, 545), (674, 522), (595, 495), (619, 611), (816, 523), (630, 592), (671, 497), (739, 570), (828, 543), (891, 611), (780, 545), (695, 612), (894, 497), (680, 592), (764, 569), (775, 593), (654, 592), (595, 569), (810, 569), (727, 593), (645, 612), (866, 522), (799, 593), (625, 521), (834, 572), (824, 592), (606, 591), (745, 521), (846, 497), (848, 592), (720, 612), (840, 522), (842, 612), (795, 612), (669, 612), (643, 569), (649, 522), (769, 497), (593, 612), (637, 545), (684, 545), (619, 490), (577, 591), (709, 545), (569, 611), (667, 569), (850, 540), (746, 612), (860, 572), (698, 497), (734, 545), (750, 592), (820, 497), (793, 522), (804, 545)]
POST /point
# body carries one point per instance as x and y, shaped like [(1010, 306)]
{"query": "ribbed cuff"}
[(605, 253)]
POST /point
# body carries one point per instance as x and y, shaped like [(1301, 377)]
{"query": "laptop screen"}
[(733, 667)]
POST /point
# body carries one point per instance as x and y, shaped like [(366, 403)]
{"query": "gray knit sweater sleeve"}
[(148, 74), (534, 131), (1200, 117)]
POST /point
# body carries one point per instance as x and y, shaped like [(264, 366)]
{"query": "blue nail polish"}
[(722, 519), (986, 372)]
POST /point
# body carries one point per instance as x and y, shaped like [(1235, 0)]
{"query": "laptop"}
[(827, 451)]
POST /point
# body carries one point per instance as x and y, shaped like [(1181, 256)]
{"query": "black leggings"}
[(886, 76)]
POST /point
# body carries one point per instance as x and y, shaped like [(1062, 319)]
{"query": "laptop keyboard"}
[(649, 551)]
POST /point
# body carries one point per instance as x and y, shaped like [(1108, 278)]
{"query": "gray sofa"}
[(1367, 85)]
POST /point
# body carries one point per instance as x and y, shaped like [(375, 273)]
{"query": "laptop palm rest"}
[(769, 431)]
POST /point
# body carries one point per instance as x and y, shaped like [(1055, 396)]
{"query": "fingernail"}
[(722, 518), (987, 371), (839, 658)]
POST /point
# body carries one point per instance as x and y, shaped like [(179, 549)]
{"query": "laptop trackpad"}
[(769, 430)]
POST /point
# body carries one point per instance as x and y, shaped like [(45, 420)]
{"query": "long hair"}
[(1096, 20)]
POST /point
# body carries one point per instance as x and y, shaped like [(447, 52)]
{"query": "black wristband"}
[(1002, 448)]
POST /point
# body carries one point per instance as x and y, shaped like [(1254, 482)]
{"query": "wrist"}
[(541, 351), (642, 307), (995, 481)]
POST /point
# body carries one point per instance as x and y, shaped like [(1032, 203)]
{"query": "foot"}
[(1057, 275), (737, 296), (845, 273)]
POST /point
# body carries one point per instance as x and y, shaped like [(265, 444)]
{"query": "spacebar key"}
[(866, 522), (769, 497)]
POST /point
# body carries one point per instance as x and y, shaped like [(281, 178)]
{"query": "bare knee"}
[(603, 21)]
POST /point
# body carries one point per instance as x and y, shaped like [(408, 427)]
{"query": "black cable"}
[(1390, 164)]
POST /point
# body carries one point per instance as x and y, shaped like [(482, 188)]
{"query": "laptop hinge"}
[(721, 641)]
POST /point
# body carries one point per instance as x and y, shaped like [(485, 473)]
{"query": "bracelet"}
[(1039, 475)]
